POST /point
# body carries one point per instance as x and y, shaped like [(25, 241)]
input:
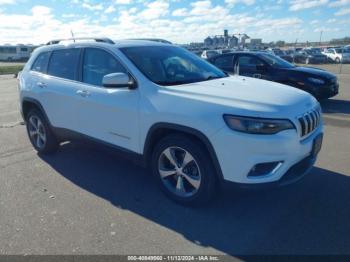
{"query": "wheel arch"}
[(28, 104), (160, 130)]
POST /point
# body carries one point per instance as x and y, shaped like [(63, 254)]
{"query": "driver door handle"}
[(41, 84), (83, 93)]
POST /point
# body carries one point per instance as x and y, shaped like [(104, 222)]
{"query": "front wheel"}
[(337, 60), (40, 134), (184, 170)]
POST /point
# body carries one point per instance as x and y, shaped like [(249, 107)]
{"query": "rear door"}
[(59, 87)]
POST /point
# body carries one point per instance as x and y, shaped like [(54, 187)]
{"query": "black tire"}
[(337, 60), (208, 177), (50, 145)]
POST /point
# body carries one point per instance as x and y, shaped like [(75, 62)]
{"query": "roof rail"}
[(98, 39)]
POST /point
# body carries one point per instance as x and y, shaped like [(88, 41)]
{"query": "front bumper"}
[(326, 91), (293, 175), (345, 60), (238, 153)]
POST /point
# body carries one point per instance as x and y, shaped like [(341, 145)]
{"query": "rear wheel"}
[(40, 134), (184, 170)]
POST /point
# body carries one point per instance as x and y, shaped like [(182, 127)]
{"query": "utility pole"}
[(321, 37), (295, 46), (71, 31)]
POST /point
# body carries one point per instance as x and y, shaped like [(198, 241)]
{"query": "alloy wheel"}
[(37, 131), (179, 172)]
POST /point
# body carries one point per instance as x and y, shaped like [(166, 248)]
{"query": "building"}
[(255, 41), (221, 41)]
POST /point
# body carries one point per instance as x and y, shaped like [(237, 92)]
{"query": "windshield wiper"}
[(214, 77), (166, 83)]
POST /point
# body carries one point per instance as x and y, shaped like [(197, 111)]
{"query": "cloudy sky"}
[(180, 21)]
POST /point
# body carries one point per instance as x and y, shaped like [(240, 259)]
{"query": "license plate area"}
[(317, 145)]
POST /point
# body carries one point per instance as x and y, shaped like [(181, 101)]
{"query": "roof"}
[(89, 43)]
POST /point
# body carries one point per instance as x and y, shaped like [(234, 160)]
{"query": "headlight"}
[(316, 80), (257, 125)]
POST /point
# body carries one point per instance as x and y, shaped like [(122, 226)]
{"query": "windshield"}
[(170, 65), (278, 52), (276, 61), (316, 51), (338, 50), (212, 53), (312, 51)]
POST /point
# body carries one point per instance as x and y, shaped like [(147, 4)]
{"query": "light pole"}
[(321, 37)]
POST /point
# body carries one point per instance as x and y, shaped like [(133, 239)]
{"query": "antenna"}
[(71, 31)]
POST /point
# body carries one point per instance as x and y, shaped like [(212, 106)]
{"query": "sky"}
[(180, 21)]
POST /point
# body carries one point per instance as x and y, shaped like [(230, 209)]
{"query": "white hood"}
[(248, 94)]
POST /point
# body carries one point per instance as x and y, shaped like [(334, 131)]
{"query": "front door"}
[(107, 114), (251, 66)]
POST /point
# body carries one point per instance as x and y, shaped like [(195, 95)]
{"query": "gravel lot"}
[(85, 200)]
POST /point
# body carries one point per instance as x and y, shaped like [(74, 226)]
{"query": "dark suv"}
[(317, 82)]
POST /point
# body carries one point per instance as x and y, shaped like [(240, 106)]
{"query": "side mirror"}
[(261, 68), (118, 80)]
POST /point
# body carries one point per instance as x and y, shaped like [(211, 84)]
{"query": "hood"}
[(257, 97), (312, 71)]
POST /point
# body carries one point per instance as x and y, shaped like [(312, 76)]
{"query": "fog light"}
[(264, 169)]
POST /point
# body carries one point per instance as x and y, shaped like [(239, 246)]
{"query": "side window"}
[(249, 61), (40, 63), (97, 63), (224, 61), (63, 63)]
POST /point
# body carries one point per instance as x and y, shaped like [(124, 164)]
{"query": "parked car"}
[(281, 54), (198, 53), (193, 125), (317, 82), (225, 51), (338, 55), (206, 54), (313, 56), (297, 56)]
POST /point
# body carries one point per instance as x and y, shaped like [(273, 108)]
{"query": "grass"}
[(10, 69)]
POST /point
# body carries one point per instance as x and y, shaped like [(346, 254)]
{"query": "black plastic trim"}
[(37, 103), (67, 134), (175, 127)]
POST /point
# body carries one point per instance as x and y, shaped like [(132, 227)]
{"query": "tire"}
[(337, 60), (192, 184), (40, 133)]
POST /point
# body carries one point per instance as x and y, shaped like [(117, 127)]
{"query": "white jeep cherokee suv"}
[(192, 124)]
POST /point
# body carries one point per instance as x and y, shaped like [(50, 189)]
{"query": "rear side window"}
[(64, 63), (97, 63), (249, 61), (40, 63), (224, 61)]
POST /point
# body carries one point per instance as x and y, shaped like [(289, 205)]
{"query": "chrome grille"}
[(309, 122)]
